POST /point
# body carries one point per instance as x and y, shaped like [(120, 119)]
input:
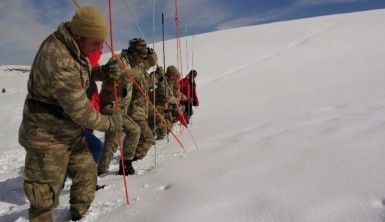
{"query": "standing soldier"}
[(55, 112), (141, 58), (130, 128), (158, 98), (166, 100), (173, 76)]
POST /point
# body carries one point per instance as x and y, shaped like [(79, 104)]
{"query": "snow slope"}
[(291, 127)]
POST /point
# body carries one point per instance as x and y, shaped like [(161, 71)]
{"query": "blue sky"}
[(25, 23)]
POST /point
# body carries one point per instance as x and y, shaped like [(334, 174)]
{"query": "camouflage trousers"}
[(130, 142), (146, 139), (158, 127), (44, 175)]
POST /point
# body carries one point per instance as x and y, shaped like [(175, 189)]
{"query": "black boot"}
[(128, 169)]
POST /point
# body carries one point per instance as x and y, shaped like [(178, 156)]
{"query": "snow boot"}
[(128, 169)]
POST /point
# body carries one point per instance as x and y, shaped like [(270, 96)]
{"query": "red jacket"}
[(188, 88)]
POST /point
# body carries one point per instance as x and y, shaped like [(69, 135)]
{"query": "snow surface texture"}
[(291, 127)]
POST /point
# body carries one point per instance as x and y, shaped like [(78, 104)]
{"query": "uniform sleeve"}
[(97, 74), (67, 89)]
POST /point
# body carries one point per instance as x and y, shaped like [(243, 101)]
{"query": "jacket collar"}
[(64, 35)]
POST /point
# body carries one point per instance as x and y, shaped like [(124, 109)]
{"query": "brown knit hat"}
[(89, 22), (172, 71)]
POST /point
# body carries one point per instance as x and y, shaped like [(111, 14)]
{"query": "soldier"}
[(158, 90), (166, 103), (141, 58), (55, 112), (173, 76), (130, 127), (137, 59)]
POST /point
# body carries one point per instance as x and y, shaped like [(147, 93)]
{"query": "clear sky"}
[(25, 23)]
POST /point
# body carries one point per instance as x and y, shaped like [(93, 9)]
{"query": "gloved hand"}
[(159, 70), (112, 70), (116, 122)]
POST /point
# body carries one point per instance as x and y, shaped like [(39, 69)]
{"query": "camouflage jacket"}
[(59, 76), (123, 89), (158, 89), (138, 109), (173, 107)]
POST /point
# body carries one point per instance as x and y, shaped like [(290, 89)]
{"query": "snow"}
[(290, 127)]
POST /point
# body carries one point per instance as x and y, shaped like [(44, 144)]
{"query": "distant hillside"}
[(15, 68)]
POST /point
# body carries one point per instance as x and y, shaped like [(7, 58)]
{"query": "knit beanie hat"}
[(172, 71), (89, 22)]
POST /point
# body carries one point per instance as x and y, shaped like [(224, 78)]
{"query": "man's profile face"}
[(90, 45)]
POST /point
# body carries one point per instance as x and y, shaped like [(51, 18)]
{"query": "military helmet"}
[(139, 47)]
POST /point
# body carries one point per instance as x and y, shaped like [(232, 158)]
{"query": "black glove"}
[(116, 122), (112, 70)]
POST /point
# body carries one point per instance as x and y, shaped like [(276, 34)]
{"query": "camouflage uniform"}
[(130, 127), (162, 94), (139, 107), (166, 100), (174, 108), (54, 142)]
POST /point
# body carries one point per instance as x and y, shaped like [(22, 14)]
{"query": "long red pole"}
[(117, 108)]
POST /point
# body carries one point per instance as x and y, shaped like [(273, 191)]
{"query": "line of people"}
[(63, 107)]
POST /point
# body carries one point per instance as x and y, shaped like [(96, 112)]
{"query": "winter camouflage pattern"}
[(130, 143), (59, 76), (44, 174), (139, 107), (60, 79), (167, 97), (130, 128), (160, 93), (174, 96), (123, 89), (146, 139), (174, 108)]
